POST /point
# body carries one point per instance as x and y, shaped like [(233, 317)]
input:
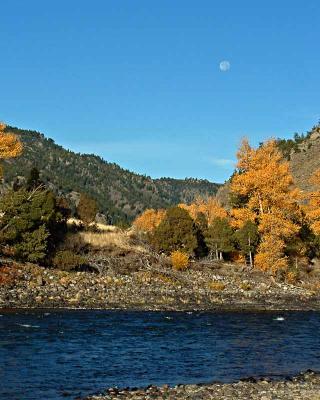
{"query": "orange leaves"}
[(210, 207), (10, 146), (239, 216), (264, 180), (213, 210), (263, 176), (149, 220), (179, 260), (276, 224)]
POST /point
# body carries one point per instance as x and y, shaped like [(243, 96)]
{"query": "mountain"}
[(303, 154), (120, 194)]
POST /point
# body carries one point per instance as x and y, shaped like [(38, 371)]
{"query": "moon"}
[(224, 66)]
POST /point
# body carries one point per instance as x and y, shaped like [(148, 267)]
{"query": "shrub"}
[(216, 285), (245, 286), (292, 277), (33, 245), (66, 260), (179, 260), (87, 209), (75, 243)]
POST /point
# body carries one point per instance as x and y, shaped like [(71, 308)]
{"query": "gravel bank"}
[(303, 387), (214, 286)]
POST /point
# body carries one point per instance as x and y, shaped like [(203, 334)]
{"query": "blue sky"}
[(138, 81)]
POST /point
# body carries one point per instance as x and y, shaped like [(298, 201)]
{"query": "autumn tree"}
[(210, 207), (10, 145), (149, 220), (264, 179), (86, 209)]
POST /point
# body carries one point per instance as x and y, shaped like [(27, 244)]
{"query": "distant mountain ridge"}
[(120, 193)]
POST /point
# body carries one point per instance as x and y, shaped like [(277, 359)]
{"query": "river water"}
[(64, 354)]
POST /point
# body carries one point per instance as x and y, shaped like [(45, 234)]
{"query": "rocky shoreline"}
[(222, 287), (305, 386)]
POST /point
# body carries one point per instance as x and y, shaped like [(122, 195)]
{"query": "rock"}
[(39, 280)]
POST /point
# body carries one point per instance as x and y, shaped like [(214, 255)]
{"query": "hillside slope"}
[(303, 154), (305, 159), (121, 194)]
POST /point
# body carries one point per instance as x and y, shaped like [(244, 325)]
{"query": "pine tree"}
[(201, 221), (177, 231), (33, 180), (219, 237), (248, 238), (31, 225)]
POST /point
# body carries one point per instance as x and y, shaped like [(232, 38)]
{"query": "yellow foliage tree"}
[(313, 207), (10, 146), (149, 220), (239, 216), (264, 180), (210, 207)]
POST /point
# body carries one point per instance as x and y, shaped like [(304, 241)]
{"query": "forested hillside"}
[(120, 194)]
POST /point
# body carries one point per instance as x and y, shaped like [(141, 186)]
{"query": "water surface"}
[(64, 354)]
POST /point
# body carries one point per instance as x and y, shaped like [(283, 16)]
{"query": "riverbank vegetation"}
[(269, 225)]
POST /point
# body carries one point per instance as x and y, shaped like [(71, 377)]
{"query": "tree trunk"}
[(250, 253), (260, 204), (221, 256), (217, 254)]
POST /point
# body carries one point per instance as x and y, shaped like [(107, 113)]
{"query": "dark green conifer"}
[(177, 231), (219, 238)]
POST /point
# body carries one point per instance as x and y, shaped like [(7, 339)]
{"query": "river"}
[(53, 355)]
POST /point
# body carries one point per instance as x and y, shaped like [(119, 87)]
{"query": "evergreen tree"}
[(219, 237), (201, 221), (31, 224), (33, 180), (248, 238), (177, 231)]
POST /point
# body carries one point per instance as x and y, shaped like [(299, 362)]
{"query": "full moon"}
[(224, 66)]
